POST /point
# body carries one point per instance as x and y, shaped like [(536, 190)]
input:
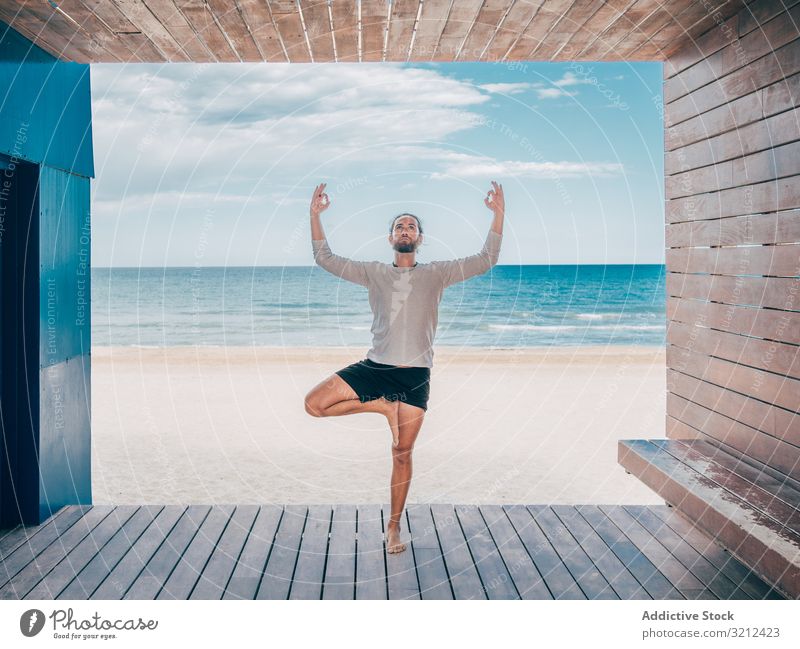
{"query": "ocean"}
[(300, 306)]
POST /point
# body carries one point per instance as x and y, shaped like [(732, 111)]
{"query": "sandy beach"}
[(220, 425)]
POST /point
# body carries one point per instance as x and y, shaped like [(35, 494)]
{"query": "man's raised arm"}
[(459, 270), (348, 269), (462, 269)]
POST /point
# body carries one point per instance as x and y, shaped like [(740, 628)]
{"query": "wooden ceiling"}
[(115, 31)]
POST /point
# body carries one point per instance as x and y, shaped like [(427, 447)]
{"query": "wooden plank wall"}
[(732, 165)]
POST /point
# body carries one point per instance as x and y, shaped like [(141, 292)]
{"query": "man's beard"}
[(405, 246)]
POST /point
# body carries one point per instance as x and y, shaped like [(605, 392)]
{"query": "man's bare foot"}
[(392, 416), (393, 543)]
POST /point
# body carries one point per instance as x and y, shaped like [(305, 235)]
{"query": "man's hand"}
[(319, 201), (495, 200)]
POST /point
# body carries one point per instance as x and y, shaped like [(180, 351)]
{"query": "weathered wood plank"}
[(27, 570), (631, 556), (464, 577), (340, 570), (722, 560), (776, 422), (621, 579), (218, 570), (310, 572), (769, 196), (679, 575), (14, 537), (769, 388), (73, 43), (625, 27), (92, 575), (483, 28), (744, 439), (777, 485), (770, 36), (497, 582), (76, 558), (91, 23), (589, 578), (374, 18), (669, 42), (783, 326), (129, 34), (401, 570), (130, 567), (193, 560), (345, 30), (778, 162), (689, 453), (280, 567), (781, 63), (201, 19), (775, 227), (370, 563), (709, 575), (775, 261), (569, 34), (459, 22), (769, 548), (734, 115), (318, 28), (249, 569), (766, 355), (773, 292), (432, 21), (234, 28), (527, 580), (433, 580), (662, 16), (176, 24), (148, 583), (259, 21), (27, 543), (709, 19), (140, 15), (559, 581), (401, 28), (519, 17), (765, 134), (34, 31)]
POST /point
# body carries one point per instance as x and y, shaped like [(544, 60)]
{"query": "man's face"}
[(405, 235)]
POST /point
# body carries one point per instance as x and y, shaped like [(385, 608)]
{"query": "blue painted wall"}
[(46, 163), (45, 105)]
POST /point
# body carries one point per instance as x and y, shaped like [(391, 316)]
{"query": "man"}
[(393, 380)]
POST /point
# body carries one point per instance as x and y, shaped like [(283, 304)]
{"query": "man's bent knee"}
[(312, 408)]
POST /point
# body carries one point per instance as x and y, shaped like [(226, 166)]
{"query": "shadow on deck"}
[(338, 552)]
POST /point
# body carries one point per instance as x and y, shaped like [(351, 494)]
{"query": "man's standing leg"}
[(410, 421)]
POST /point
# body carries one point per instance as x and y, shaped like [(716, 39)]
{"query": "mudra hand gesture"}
[(320, 201), (495, 200)]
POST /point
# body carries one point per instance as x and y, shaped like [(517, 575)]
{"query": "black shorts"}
[(371, 380)]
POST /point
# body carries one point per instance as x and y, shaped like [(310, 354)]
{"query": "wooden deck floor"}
[(337, 552)]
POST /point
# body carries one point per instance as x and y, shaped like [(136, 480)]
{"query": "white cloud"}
[(506, 88), (232, 128), (475, 166), (569, 79), (552, 93)]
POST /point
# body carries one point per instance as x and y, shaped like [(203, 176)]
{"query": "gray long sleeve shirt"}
[(405, 301)]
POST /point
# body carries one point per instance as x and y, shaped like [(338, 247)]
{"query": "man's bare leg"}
[(334, 397), (409, 423)]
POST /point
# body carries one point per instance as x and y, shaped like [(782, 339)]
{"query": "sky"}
[(215, 164)]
